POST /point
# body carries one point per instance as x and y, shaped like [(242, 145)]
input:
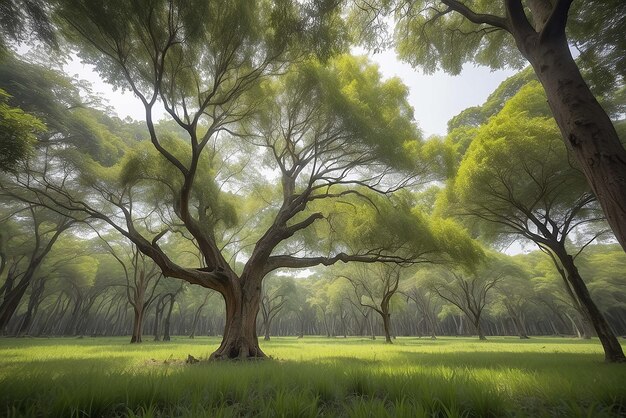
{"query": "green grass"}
[(310, 377)]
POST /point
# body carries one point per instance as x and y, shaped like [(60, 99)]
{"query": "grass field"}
[(311, 377)]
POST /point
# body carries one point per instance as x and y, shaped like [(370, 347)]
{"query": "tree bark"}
[(240, 338), (479, 330), (386, 326), (587, 130), (33, 304), (168, 317), (613, 352), (137, 325), (11, 301)]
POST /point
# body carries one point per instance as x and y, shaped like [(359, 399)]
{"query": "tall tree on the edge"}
[(447, 33)]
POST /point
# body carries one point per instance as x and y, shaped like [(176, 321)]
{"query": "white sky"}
[(436, 98)]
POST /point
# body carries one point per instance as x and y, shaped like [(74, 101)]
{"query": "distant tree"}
[(198, 312), (469, 291), (425, 299), (276, 293), (516, 295), (18, 133), (603, 266), (374, 287), (24, 251)]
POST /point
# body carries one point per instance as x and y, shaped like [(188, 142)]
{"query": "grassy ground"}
[(311, 377)]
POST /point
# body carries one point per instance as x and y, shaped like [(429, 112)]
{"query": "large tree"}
[(263, 165), (542, 197), (447, 33)]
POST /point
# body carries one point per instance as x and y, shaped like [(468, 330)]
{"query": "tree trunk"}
[(518, 322), (371, 324), (479, 330), (137, 325), (386, 326), (613, 352), (240, 338), (431, 323), (166, 323), (11, 301), (158, 313), (266, 329), (586, 128), (33, 304)]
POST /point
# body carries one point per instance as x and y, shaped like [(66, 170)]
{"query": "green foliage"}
[(448, 40), (60, 102), (343, 101), (597, 32), (184, 43), (374, 110), (517, 162), (18, 133), (20, 19)]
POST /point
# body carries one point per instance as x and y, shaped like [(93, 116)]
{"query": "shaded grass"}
[(449, 377)]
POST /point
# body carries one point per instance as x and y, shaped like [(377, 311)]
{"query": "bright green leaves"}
[(376, 111), (513, 153), (196, 54), (427, 37), (346, 98), (18, 133), (517, 169)]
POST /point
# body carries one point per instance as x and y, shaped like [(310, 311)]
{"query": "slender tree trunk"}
[(613, 352), (371, 324), (168, 318), (137, 325), (432, 326), (386, 326), (586, 128), (33, 303), (11, 301), (575, 326), (158, 313), (517, 322), (479, 330), (301, 318), (194, 324), (266, 329)]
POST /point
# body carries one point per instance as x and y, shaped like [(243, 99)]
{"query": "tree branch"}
[(478, 18)]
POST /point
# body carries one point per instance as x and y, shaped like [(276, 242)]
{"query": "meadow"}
[(310, 377)]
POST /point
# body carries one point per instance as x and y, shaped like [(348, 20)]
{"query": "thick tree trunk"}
[(613, 352), (240, 338), (586, 128)]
